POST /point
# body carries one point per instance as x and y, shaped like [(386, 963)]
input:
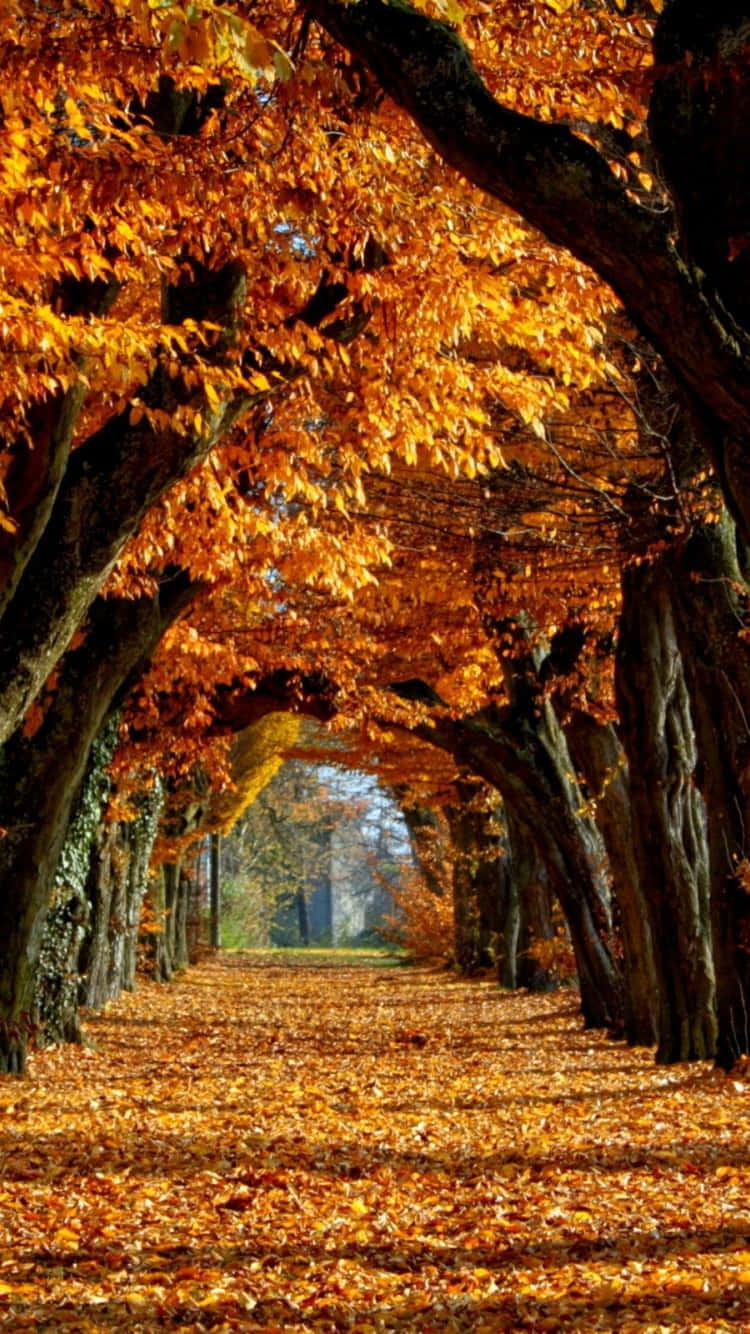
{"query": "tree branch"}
[(558, 183)]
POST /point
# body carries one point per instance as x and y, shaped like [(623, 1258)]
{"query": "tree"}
[(675, 270), (135, 340), (668, 266), (317, 340)]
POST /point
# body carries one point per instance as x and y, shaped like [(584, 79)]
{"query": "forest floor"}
[(273, 1147)]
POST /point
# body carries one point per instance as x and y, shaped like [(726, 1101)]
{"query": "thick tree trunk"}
[(499, 916), (710, 600), (669, 819), (100, 958), (40, 779), (506, 930), (69, 918), (522, 752), (600, 760), (476, 884), (117, 881), (532, 921)]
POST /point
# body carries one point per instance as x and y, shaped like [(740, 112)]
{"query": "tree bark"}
[(476, 883), (215, 893), (110, 482), (533, 922), (69, 918), (600, 760), (710, 600), (100, 958), (462, 822), (669, 819), (522, 752), (41, 777)]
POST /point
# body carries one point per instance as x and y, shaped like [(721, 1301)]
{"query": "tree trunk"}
[(428, 836), (215, 891), (101, 953), (110, 482), (40, 779), (710, 600), (181, 954), (462, 824), (466, 913), (522, 752), (669, 819), (600, 760), (162, 895), (303, 917), (69, 917), (532, 923)]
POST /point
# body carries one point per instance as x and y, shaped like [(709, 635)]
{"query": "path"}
[(271, 1148)]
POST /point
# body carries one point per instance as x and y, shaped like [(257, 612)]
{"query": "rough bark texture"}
[(100, 961), (710, 600), (40, 779), (69, 917), (600, 760), (522, 752), (469, 849), (529, 909), (669, 821)]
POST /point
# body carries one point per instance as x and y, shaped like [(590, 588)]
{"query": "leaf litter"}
[(274, 1147)]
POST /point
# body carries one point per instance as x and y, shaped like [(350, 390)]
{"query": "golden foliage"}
[(423, 923), (256, 755)]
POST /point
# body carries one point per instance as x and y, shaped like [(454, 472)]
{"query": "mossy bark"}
[(39, 782)]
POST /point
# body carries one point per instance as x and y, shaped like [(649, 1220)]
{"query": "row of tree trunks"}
[(170, 899), (41, 777), (90, 944), (502, 904), (523, 753), (671, 795)]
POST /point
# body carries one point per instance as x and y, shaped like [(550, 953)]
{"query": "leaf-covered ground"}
[(311, 1148)]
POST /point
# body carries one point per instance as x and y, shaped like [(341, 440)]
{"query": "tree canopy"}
[(387, 363)]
